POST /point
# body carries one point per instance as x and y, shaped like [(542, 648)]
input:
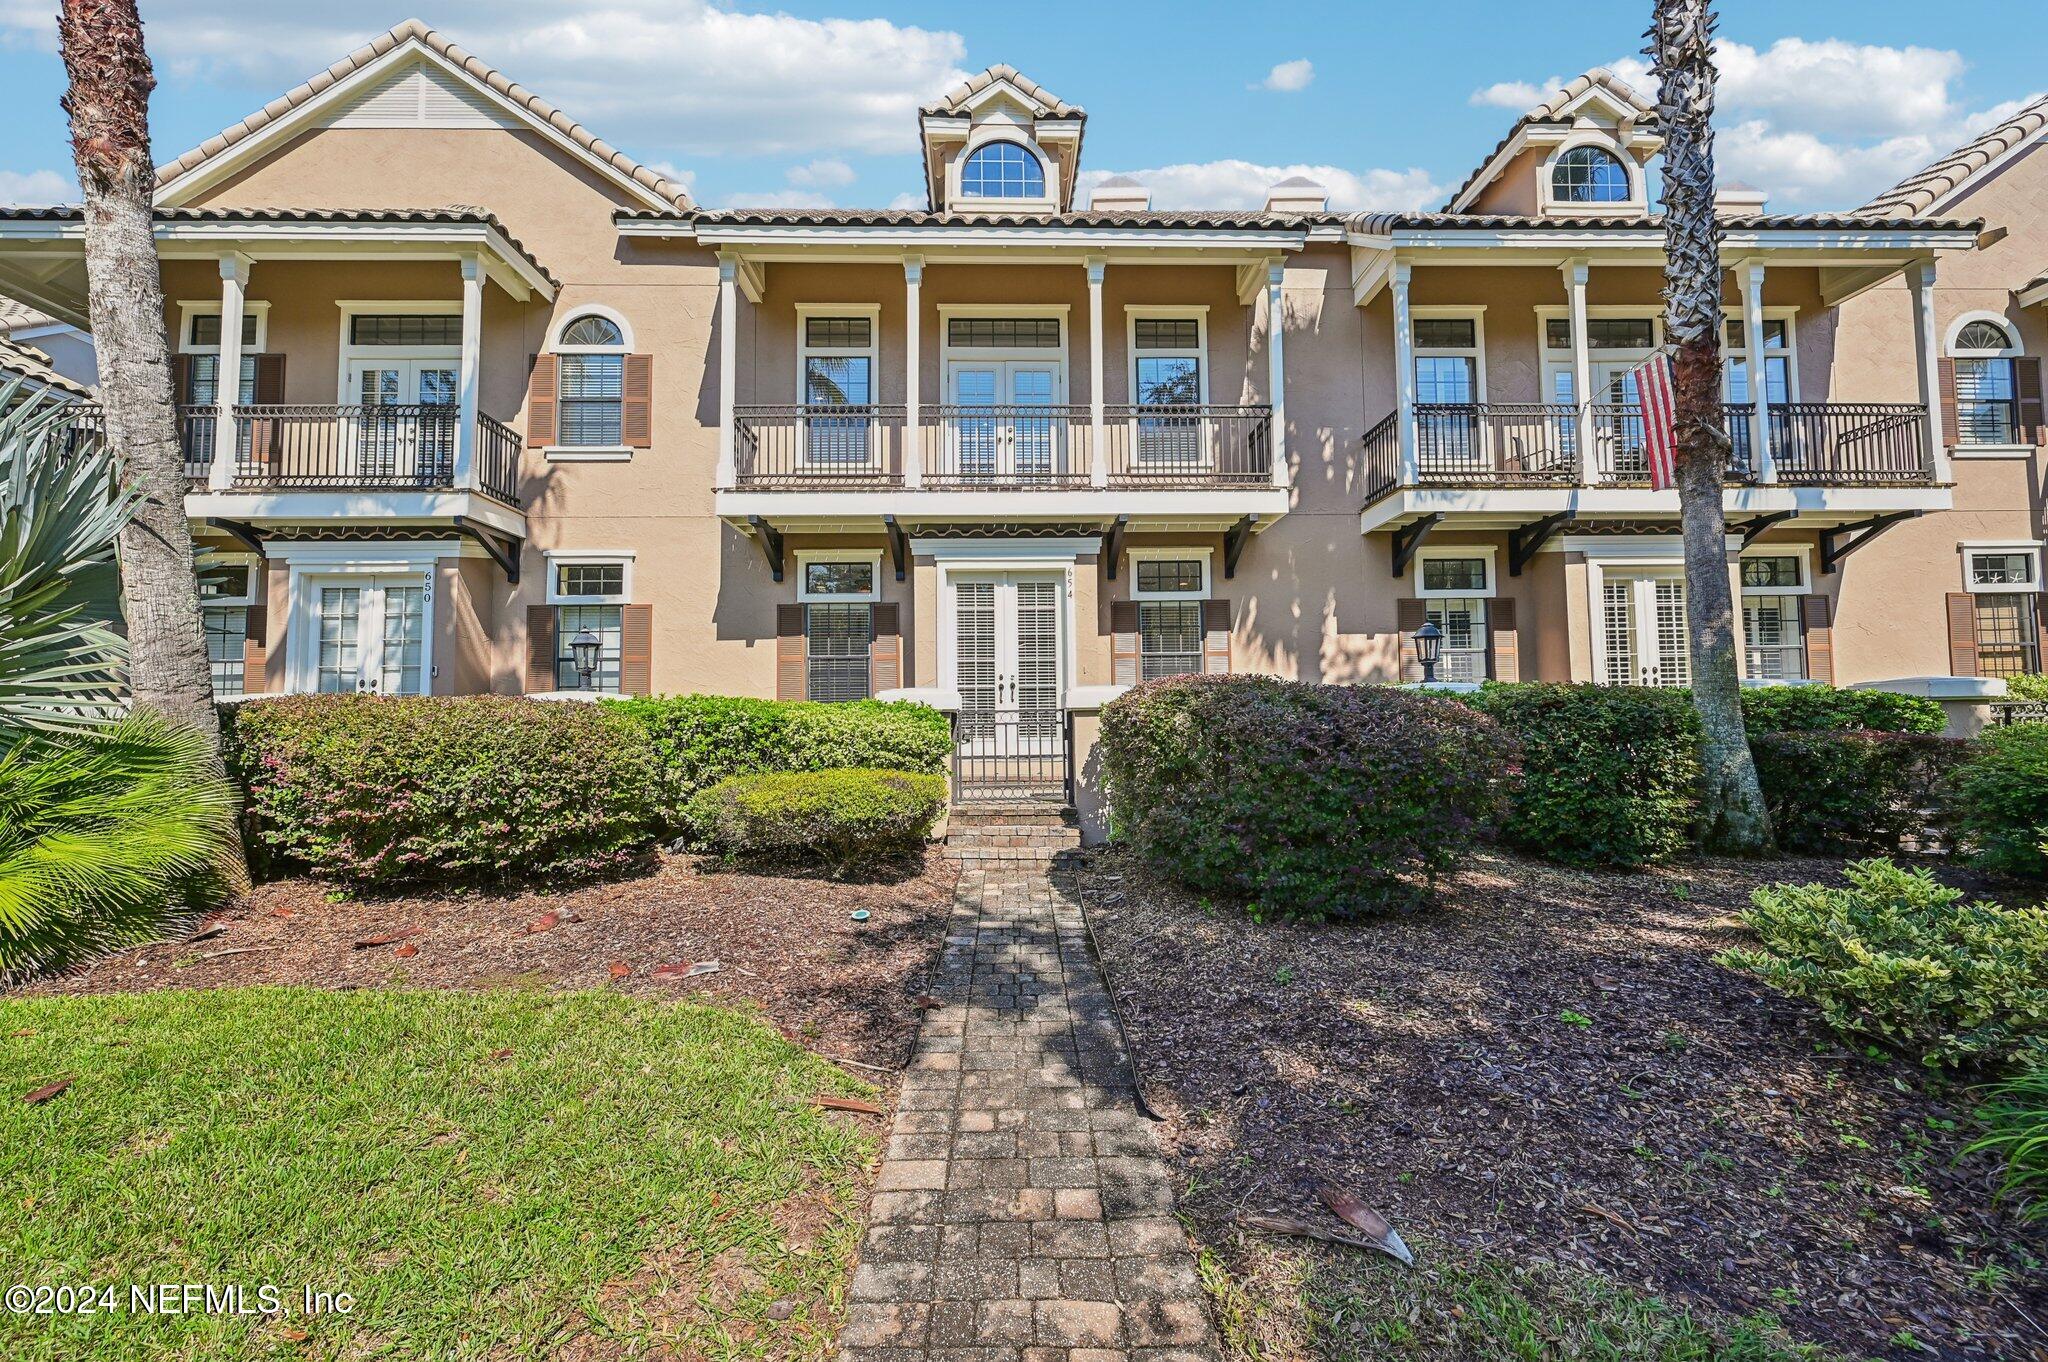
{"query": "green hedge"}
[(2028, 686), (1300, 800), (699, 740), (1838, 794), (2001, 800), (384, 790), (849, 819), (1802, 709), (1610, 774)]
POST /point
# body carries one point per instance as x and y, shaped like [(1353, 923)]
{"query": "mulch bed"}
[(1550, 1067), (789, 945)]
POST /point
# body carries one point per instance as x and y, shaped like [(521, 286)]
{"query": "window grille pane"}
[(1463, 653), (590, 579), (1010, 333), (206, 328), (1619, 333), (839, 579), (2008, 634), (1589, 175), (1169, 638), (837, 641), (1557, 333), (2002, 569), (1445, 379), (593, 331), (603, 620), (1164, 382), (838, 333), (592, 399), (227, 631), (1454, 574), (1986, 410), (440, 328), (1161, 333), (1169, 574), (1774, 647), (1002, 170), (1983, 336), (1445, 333), (837, 381), (1774, 571)]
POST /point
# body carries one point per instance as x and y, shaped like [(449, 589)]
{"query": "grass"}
[(501, 1174)]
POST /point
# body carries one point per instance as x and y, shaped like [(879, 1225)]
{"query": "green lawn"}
[(632, 1176)]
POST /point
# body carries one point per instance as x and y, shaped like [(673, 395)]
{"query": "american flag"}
[(1660, 419)]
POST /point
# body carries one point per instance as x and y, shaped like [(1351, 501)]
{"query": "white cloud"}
[(1290, 76), (1518, 95), (778, 198), (821, 172), (36, 188), (907, 203), (1243, 185)]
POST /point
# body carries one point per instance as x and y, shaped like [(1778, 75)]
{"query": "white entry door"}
[(1007, 654), (368, 635), (414, 441), (1643, 628), (1010, 443)]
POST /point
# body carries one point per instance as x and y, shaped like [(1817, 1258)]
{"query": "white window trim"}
[(1803, 552), (2030, 547), (1787, 315), (805, 557), (1150, 554), (205, 559), (1549, 204), (1199, 352), (1476, 352), (872, 351), (572, 315), (348, 352), (622, 558), (258, 308), (1998, 319), (1442, 551)]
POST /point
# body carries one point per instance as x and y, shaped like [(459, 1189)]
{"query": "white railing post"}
[(1575, 273), (1098, 424), (913, 429), (1404, 375), (468, 476), (1763, 460), (234, 284), (728, 365), (1927, 355), (1276, 366)]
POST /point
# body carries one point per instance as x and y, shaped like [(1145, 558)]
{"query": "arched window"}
[(1002, 170), (1984, 354), (591, 383), (597, 331), (1589, 175)]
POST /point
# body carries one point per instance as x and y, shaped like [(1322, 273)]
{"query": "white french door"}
[(415, 441), (1007, 653), (1644, 638), (368, 635), (1010, 442)]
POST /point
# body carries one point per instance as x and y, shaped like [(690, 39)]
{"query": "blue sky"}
[(813, 103)]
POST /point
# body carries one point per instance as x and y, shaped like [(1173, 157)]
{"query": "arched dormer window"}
[(1002, 170), (1589, 175)]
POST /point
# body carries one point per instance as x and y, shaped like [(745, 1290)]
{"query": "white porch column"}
[(728, 365), (1098, 424), (1276, 366), (1575, 272), (1763, 460), (467, 473), (234, 284), (1927, 353), (1404, 374), (913, 350)]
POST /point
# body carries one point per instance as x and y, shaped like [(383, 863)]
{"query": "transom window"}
[(1775, 571), (1445, 333), (1004, 333), (855, 580), (1454, 574), (1168, 333), (418, 329), (1589, 175), (205, 329), (1002, 170), (841, 333), (1160, 576), (598, 331), (1602, 333), (590, 579), (2004, 567)]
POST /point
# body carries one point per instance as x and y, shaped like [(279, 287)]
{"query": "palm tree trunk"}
[(1733, 817), (108, 103)]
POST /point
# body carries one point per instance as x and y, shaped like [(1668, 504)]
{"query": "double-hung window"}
[(589, 595), (838, 595), (1987, 384), (2005, 587), (591, 384), (1170, 587), (1455, 589), (1170, 388), (839, 391), (226, 591), (1773, 640)]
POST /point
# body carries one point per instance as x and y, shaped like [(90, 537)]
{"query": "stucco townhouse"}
[(461, 383)]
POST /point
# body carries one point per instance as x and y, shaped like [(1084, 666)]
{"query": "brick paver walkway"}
[(1022, 1213)]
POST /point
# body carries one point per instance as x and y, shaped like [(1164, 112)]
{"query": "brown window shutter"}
[(541, 402), (1816, 623), (1504, 643), (256, 637), (1410, 614), (1123, 643), (269, 380), (2026, 387), (1216, 638), (885, 649), (636, 650), (1951, 429), (181, 379), (1962, 633), (790, 672), (636, 414), (540, 648)]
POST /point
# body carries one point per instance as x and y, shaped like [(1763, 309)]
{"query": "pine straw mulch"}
[(785, 944), (1549, 1068)]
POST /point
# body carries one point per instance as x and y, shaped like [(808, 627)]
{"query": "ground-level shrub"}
[(1801, 709), (849, 818), (107, 838), (478, 788), (2016, 1115), (1303, 801), (699, 740), (2001, 800), (2027, 686), (1898, 958), (1841, 793), (1610, 774)]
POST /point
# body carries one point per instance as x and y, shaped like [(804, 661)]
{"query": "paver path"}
[(1022, 1212)]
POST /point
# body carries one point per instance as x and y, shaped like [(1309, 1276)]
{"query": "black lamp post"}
[(1429, 647), (584, 648)]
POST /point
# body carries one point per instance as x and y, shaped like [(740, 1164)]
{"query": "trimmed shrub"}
[(2001, 800), (1610, 774), (699, 740), (1304, 801), (1805, 709), (1899, 958), (1847, 793), (850, 819), (2027, 686), (385, 790)]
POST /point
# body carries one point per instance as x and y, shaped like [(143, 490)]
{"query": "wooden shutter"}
[(541, 402), (1216, 637), (265, 437), (256, 635), (540, 648), (1410, 614), (636, 650), (790, 671), (181, 379), (1962, 633), (1951, 429), (2026, 386), (1816, 624), (1504, 660), (636, 415), (885, 647), (1123, 643)]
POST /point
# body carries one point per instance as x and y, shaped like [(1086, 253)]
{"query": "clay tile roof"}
[(1049, 104), (14, 313), (18, 361), (1379, 224), (414, 29), (1921, 190)]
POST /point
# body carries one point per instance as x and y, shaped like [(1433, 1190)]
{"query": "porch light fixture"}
[(1429, 647), (584, 648)]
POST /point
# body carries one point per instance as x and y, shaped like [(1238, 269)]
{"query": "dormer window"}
[(1589, 175), (1002, 170)]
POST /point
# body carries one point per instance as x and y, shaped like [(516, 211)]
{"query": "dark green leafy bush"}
[(2027, 686), (384, 790), (1845, 793), (1610, 774), (2001, 800), (850, 819), (1303, 801), (1802, 709), (1899, 958)]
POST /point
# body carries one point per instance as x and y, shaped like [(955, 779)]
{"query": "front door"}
[(1008, 668), (369, 635), (1644, 639), (998, 435), (404, 431)]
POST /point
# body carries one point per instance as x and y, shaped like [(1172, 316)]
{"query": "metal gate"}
[(1012, 754)]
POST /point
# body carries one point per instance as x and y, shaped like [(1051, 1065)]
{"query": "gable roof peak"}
[(1600, 79), (1933, 185), (1045, 104)]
